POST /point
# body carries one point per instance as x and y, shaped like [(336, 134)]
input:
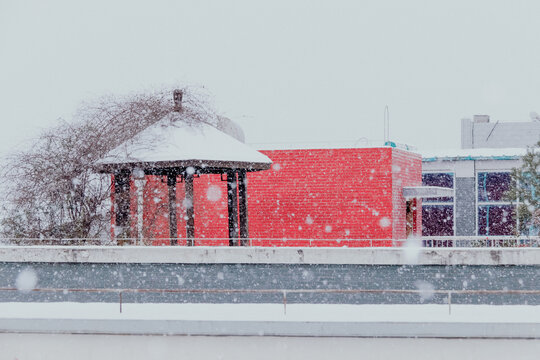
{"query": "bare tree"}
[(52, 191)]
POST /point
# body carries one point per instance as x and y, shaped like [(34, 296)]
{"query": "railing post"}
[(449, 303), (284, 303), (120, 300)]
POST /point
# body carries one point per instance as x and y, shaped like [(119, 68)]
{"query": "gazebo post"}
[(122, 187), (232, 202), (243, 207), (190, 221), (173, 227)]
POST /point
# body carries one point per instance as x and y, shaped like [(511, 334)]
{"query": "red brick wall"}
[(210, 212), (211, 219), (406, 171), (323, 194)]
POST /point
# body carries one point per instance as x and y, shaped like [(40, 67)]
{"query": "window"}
[(438, 213), (495, 214)]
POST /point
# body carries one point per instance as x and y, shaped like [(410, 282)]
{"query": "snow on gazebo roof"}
[(181, 143)]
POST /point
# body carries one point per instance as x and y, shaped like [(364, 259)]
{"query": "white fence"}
[(442, 241)]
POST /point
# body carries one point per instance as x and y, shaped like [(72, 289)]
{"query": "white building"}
[(479, 173)]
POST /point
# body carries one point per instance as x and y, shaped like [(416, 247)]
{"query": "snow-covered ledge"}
[(269, 255)]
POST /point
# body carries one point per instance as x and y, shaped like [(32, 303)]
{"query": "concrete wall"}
[(465, 206), (498, 135), (264, 268), (265, 255)]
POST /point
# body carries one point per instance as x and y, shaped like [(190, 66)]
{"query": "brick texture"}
[(318, 197), (406, 171)]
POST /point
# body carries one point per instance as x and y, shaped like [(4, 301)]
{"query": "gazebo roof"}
[(173, 142)]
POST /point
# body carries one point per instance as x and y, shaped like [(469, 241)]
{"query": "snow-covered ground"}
[(118, 347), (274, 312), (317, 320), (305, 331)]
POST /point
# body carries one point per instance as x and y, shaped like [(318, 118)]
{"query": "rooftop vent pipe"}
[(481, 118), (177, 97)]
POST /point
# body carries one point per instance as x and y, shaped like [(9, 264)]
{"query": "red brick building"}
[(309, 197)]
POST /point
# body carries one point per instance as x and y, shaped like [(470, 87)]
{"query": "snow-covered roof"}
[(170, 143), (411, 192), (313, 145), (362, 143), (473, 154)]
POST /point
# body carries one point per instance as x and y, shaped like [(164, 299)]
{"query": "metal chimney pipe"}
[(177, 97)]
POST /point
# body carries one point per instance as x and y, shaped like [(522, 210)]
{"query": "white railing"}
[(432, 241), (266, 242), (481, 241), (284, 292)]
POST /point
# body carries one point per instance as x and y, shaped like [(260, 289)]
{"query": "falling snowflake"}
[(213, 193), (426, 289), (411, 250), (138, 173), (187, 203), (26, 280), (384, 222)]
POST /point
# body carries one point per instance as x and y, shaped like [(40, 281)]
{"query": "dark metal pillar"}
[(173, 230), (232, 201), (190, 221), (122, 186), (243, 207)]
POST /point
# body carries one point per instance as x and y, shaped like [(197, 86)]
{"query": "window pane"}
[(496, 220), (438, 179), (493, 186), (437, 220)]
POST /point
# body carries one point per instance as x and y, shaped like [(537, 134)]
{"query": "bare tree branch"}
[(51, 190)]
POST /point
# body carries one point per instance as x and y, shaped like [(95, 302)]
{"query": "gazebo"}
[(181, 148)]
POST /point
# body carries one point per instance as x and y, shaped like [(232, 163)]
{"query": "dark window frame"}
[(438, 203), (489, 203)]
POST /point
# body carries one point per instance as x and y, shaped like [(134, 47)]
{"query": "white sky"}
[(285, 70)]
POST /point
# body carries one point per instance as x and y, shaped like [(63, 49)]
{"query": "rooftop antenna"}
[(386, 124)]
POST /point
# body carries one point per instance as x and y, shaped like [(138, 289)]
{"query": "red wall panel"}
[(322, 194), (317, 197), (406, 171)]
